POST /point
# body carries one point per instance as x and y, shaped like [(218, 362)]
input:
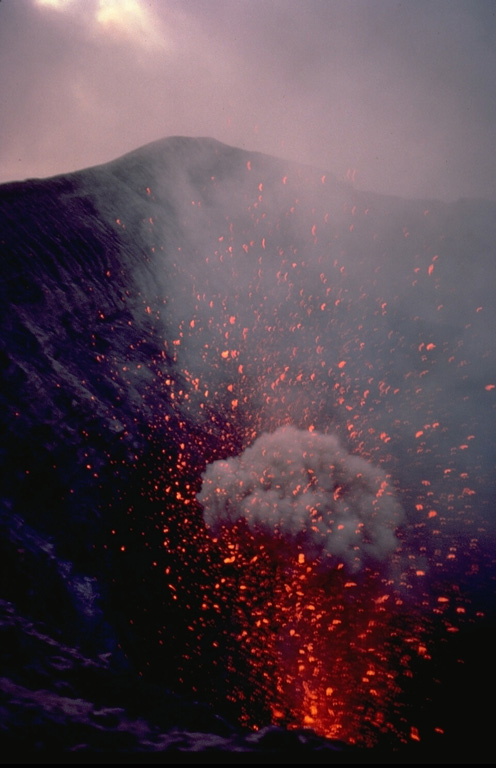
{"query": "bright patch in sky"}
[(128, 18), (120, 19)]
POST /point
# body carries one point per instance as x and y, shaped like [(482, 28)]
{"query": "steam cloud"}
[(307, 489)]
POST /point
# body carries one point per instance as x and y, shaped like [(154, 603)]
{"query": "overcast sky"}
[(398, 96)]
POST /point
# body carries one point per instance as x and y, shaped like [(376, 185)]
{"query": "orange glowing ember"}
[(323, 648)]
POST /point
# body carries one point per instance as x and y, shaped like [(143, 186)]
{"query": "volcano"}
[(194, 322)]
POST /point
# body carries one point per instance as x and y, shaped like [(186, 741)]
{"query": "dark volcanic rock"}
[(55, 700)]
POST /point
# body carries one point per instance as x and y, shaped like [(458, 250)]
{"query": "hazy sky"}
[(398, 96)]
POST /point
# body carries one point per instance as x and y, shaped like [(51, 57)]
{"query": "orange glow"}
[(319, 646)]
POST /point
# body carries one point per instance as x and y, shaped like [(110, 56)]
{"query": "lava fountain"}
[(312, 532)]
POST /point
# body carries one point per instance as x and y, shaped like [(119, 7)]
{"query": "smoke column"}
[(304, 488)]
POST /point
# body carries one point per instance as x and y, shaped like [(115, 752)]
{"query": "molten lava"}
[(321, 651)]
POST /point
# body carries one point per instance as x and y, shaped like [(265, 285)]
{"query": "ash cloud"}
[(306, 489), (281, 297)]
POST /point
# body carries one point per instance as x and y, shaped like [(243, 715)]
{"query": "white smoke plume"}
[(306, 489)]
